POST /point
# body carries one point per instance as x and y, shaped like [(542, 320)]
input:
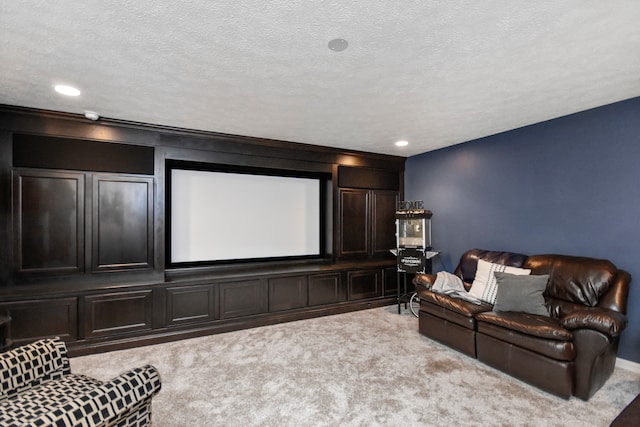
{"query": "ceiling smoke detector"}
[(338, 45), (91, 115)]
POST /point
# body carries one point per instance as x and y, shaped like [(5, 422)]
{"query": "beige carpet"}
[(368, 368)]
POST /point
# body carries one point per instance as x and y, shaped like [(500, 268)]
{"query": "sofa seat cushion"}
[(44, 398), (560, 350), (455, 310), (529, 324)]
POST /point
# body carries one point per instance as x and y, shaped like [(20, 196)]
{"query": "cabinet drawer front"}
[(286, 293), (32, 320), (119, 313), (364, 284), (191, 304), (243, 298), (326, 289)]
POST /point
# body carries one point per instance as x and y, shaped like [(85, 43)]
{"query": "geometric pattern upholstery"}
[(32, 364), (77, 400)]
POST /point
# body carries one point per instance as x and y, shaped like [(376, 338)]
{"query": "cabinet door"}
[(286, 293), (191, 304), (48, 214), (384, 228), (391, 280), (325, 289), (118, 313), (122, 222), (36, 319), (243, 298), (354, 223), (364, 284)]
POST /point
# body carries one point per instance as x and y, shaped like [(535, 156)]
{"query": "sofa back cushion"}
[(32, 364), (579, 280), (466, 269)]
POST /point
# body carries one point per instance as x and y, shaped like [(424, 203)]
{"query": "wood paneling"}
[(286, 293), (326, 289), (48, 222), (37, 151), (191, 304), (35, 319), (364, 284), (122, 222), (243, 298), (368, 178), (118, 313)]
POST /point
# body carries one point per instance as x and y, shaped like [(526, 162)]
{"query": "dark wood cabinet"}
[(41, 318), (390, 285), (85, 225), (191, 304), (48, 214), (355, 222), (122, 222), (54, 211), (326, 289), (367, 222), (243, 298), (118, 313), (286, 293), (364, 284), (383, 211)]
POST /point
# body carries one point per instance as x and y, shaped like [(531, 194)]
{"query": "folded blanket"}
[(450, 284)]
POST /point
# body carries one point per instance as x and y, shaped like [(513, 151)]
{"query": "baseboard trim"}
[(628, 365)]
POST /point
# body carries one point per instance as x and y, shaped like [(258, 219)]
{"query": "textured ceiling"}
[(435, 73)]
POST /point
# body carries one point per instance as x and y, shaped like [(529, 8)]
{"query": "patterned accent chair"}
[(37, 388)]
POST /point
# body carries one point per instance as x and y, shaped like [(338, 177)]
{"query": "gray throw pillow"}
[(521, 293)]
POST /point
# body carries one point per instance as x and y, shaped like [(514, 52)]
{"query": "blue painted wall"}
[(569, 185)]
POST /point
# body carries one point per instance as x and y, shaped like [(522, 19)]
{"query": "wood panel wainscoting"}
[(187, 306), (84, 226)]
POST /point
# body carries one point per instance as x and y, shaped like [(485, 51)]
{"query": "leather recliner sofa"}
[(570, 352)]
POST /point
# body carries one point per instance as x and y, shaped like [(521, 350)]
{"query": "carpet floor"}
[(365, 368)]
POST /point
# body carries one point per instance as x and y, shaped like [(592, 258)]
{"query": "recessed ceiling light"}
[(338, 45), (67, 90), (402, 143)]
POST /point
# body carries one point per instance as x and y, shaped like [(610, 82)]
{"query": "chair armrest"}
[(32, 364), (608, 322), (109, 402), (424, 280)]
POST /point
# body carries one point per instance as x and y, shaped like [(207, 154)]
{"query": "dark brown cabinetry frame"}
[(83, 224)]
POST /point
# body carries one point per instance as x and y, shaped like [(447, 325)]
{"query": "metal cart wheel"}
[(414, 304)]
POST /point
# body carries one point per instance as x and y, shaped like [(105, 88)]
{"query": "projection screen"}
[(218, 216)]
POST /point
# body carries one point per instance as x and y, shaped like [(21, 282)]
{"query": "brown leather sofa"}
[(570, 353)]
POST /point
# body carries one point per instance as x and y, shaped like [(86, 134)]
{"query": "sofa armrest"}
[(608, 322), (32, 364), (109, 402), (425, 281)]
